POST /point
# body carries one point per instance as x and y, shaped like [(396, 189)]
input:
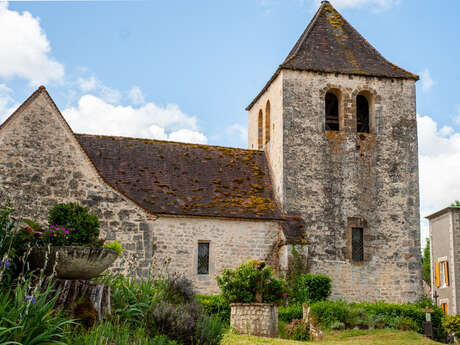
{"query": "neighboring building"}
[(332, 159), (445, 258)]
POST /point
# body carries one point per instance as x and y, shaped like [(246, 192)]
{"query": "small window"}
[(444, 308), (267, 122), (362, 114), (332, 112), (260, 131), (203, 258), (357, 244)]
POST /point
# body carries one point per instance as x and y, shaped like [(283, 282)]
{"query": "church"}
[(331, 169)]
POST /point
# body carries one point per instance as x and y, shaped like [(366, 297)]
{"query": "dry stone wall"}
[(257, 319), (334, 178)]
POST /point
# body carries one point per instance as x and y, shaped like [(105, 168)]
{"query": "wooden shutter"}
[(436, 273), (446, 272)]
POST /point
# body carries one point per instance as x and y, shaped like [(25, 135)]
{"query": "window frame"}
[(340, 123), (198, 272)]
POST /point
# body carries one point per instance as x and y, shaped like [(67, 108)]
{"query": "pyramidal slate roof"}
[(330, 44), (172, 178)]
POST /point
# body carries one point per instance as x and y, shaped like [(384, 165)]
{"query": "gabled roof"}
[(330, 44), (185, 179)]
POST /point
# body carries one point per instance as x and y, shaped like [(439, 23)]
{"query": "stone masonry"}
[(259, 319), (335, 178)]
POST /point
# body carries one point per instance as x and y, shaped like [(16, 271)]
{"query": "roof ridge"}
[(168, 142)]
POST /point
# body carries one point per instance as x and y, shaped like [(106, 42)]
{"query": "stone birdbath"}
[(72, 262)]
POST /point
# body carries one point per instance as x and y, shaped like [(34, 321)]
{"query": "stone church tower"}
[(338, 124)]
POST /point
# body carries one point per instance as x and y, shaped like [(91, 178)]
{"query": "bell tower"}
[(338, 124)]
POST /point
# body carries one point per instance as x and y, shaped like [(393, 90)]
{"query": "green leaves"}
[(85, 224), (241, 285)]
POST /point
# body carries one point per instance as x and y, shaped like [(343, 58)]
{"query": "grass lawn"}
[(352, 337)]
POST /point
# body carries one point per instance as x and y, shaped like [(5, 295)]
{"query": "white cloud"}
[(439, 155), (135, 95), (96, 116), (7, 102), (427, 81), (238, 130), (25, 49), (378, 4), (107, 93)]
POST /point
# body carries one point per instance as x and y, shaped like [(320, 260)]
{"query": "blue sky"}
[(186, 70)]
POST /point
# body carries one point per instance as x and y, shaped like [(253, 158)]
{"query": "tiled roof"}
[(331, 44), (185, 179)]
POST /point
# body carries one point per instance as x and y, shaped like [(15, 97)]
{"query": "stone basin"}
[(73, 262)]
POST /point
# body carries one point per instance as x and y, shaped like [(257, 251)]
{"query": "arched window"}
[(332, 112), (260, 132), (267, 122), (362, 114)]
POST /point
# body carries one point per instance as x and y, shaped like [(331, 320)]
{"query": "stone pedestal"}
[(258, 319)]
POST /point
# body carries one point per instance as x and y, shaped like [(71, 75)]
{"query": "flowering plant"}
[(55, 235), (252, 282)]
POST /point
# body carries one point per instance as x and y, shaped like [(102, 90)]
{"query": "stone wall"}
[(41, 164), (231, 243), (257, 319), (332, 178)]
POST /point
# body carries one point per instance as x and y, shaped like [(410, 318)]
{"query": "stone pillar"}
[(259, 319)]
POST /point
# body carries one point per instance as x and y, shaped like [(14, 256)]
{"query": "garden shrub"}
[(84, 225), (339, 314), (329, 312), (111, 333), (209, 331), (241, 285), (291, 312), (452, 325), (310, 288), (297, 330), (116, 246), (215, 306), (177, 289)]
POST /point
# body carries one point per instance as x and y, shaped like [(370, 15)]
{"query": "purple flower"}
[(6, 264), (269, 281), (30, 298), (230, 277), (284, 295)]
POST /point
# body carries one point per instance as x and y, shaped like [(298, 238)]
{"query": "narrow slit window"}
[(362, 114), (332, 112), (357, 244), (203, 258), (260, 132), (267, 122)]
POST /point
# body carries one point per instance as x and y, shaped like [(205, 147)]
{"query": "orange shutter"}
[(446, 272), (436, 273)]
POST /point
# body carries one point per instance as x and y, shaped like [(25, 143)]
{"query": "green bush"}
[(310, 288), (241, 285), (110, 333), (215, 306), (115, 246), (82, 226), (185, 323), (340, 314), (298, 330), (329, 312), (452, 324), (291, 312)]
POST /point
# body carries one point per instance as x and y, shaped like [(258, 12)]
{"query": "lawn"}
[(376, 337)]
